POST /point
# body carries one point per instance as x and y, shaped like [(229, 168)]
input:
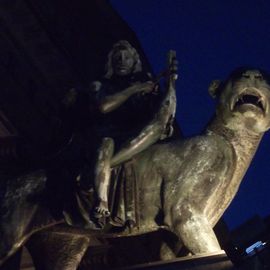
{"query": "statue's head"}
[(123, 60), (244, 100)]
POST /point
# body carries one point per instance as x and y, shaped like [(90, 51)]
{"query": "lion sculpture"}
[(184, 185)]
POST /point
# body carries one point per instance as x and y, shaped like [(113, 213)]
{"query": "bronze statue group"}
[(111, 172)]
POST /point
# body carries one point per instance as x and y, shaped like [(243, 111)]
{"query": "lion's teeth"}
[(260, 101)]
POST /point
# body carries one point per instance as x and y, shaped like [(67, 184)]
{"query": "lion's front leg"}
[(193, 228)]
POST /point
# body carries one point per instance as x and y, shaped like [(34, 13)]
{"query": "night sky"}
[(211, 38)]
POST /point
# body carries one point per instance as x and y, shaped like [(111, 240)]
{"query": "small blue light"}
[(257, 245)]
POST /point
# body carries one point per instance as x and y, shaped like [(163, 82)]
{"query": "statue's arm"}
[(158, 128), (111, 102)]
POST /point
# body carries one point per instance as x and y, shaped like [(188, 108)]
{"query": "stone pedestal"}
[(215, 261)]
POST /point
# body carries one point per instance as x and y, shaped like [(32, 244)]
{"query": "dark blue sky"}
[(211, 39)]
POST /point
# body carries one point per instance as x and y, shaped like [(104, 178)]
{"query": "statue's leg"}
[(102, 176), (159, 128), (57, 250), (193, 228), (147, 137)]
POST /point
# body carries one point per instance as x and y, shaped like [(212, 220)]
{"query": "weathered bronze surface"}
[(125, 100), (183, 186)]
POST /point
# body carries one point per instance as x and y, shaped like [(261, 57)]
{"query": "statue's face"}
[(245, 102), (122, 62)]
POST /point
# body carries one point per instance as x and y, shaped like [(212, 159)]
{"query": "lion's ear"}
[(213, 87)]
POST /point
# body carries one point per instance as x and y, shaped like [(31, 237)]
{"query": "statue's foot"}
[(102, 210), (101, 217)]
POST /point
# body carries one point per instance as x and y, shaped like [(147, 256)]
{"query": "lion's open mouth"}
[(249, 99), (252, 100)]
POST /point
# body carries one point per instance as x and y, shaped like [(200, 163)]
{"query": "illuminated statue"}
[(183, 186), (127, 100)]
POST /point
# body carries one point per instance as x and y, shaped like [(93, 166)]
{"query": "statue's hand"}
[(146, 87)]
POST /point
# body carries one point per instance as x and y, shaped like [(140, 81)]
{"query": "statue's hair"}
[(122, 44)]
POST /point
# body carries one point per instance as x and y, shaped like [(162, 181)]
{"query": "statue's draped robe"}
[(122, 124)]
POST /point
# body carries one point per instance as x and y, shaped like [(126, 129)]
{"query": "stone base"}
[(213, 261)]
